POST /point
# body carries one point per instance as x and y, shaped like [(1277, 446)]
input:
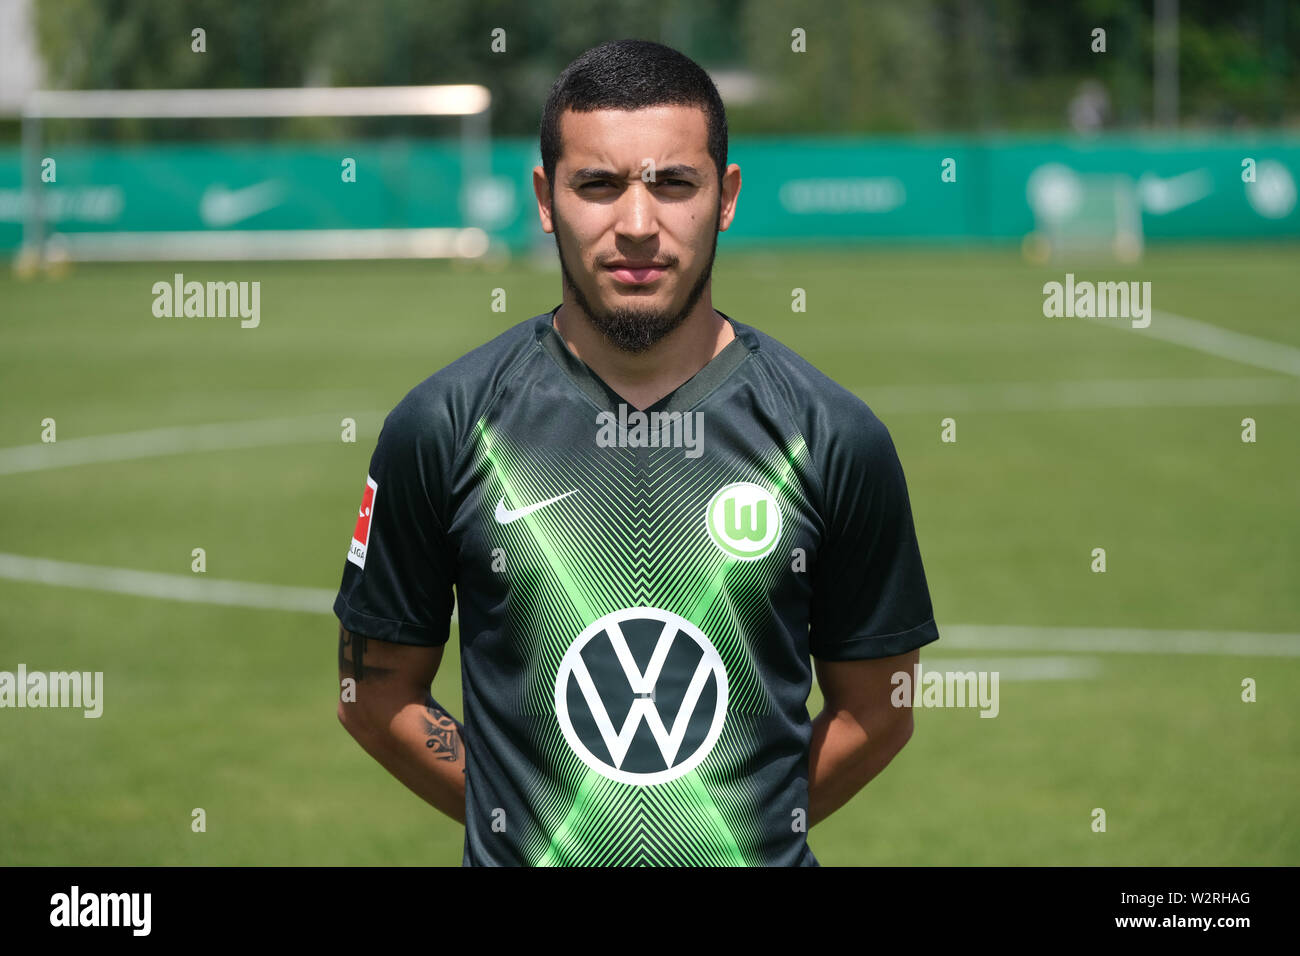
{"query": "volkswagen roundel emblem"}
[(641, 696)]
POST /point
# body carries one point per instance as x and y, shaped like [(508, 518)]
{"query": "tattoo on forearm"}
[(443, 732)]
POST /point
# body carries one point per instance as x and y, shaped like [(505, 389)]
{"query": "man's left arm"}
[(858, 731), (870, 611)]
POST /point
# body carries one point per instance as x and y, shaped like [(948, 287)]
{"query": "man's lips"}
[(636, 274)]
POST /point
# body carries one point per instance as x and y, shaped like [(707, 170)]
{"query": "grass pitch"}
[(1106, 438)]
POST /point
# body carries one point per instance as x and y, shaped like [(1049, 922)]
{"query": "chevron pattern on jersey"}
[(632, 536)]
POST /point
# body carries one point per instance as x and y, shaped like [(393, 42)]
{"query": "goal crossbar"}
[(456, 100), (471, 102)]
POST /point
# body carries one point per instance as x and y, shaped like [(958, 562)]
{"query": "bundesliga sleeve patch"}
[(361, 536)]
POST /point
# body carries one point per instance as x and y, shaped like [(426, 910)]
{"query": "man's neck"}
[(643, 378)]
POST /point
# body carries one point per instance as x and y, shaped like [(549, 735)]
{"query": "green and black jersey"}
[(639, 591)]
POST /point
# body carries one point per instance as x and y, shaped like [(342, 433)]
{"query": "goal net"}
[(1094, 215), (255, 199)]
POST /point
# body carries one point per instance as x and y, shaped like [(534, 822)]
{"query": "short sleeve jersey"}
[(639, 592)]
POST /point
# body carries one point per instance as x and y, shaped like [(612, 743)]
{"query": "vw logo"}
[(641, 696)]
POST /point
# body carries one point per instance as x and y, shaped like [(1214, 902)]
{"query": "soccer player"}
[(655, 518)]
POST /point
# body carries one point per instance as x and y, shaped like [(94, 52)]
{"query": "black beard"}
[(636, 330)]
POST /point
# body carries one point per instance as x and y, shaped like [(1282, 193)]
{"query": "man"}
[(652, 515)]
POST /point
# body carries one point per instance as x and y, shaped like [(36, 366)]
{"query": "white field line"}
[(198, 589), (1057, 396), (195, 588), (1118, 640), (1123, 393), (1216, 341), (176, 440), (1023, 396)]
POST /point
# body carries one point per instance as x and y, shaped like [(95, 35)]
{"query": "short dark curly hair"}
[(630, 75)]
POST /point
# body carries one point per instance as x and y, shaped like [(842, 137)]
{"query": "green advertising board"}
[(806, 190)]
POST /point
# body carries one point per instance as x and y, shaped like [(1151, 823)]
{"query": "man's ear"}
[(729, 193), (542, 190)]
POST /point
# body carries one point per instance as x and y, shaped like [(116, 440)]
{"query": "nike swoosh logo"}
[(221, 206), (1163, 196), (506, 515)]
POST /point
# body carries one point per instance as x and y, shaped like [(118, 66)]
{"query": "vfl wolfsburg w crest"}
[(641, 696), (743, 520)]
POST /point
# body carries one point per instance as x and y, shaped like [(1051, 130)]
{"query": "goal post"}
[(466, 239), (1094, 215)]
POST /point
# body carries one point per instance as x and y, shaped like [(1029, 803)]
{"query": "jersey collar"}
[(685, 396)]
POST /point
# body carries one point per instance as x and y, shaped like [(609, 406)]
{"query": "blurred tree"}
[(884, 66)]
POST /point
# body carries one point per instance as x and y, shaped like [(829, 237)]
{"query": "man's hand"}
[(398, 723), (858, 731)]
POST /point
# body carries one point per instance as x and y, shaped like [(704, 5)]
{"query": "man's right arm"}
[(397, 722)]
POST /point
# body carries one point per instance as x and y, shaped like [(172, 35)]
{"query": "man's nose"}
[(636, 214)]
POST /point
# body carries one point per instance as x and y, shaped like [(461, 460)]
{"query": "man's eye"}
[(600, 183)]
